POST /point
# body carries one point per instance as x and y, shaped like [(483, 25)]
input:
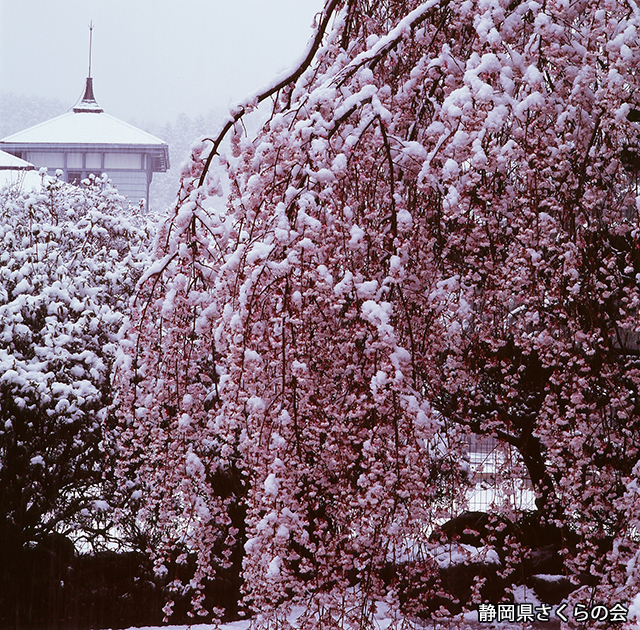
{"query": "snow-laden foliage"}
[(69, 261), (435, 234)]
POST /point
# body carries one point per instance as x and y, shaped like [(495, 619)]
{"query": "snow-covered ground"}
[(467, 621)]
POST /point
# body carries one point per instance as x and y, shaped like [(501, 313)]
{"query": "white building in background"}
[(86, 140), (17, 173), (498, 476), (10, 162)]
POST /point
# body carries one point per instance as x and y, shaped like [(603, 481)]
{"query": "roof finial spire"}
[(88, 101), (90, 42)]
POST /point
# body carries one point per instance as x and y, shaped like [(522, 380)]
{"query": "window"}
[(94, 161), (122, 160), (74, 160), (74, 177), (50, 160)]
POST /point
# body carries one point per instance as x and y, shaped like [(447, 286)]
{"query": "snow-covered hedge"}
[(69, 260)]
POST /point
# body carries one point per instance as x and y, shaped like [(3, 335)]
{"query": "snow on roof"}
[(22, 180), (8, 161), (83, 127)]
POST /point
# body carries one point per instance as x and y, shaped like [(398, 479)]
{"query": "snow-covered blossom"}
[(440, 223)]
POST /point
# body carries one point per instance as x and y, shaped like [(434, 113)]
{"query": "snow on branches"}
[(69, 260), (435, 234)]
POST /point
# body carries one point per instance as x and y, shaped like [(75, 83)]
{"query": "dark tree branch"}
[(392, 192), (292, 78)]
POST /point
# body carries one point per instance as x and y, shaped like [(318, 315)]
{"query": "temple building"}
[(87, 140), (17, 173), (10, 162)]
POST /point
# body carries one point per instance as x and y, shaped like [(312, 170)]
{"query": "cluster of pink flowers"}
[(435, 233)]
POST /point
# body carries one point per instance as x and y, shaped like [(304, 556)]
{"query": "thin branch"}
[(390, 41), (635, 9), (387, 146), (291, 78)]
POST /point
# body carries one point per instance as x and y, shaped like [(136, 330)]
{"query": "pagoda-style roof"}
[(87, 127), (88, 102), (83, 128)]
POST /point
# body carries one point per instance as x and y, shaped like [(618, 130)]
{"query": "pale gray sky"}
[(152, 59)]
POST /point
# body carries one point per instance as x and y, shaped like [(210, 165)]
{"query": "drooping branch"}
[(392, 194), (383, 47), (273, 89), (389, 42), (635, 9)]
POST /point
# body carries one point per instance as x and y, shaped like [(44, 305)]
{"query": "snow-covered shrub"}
[(435, 234), (69, 260)]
